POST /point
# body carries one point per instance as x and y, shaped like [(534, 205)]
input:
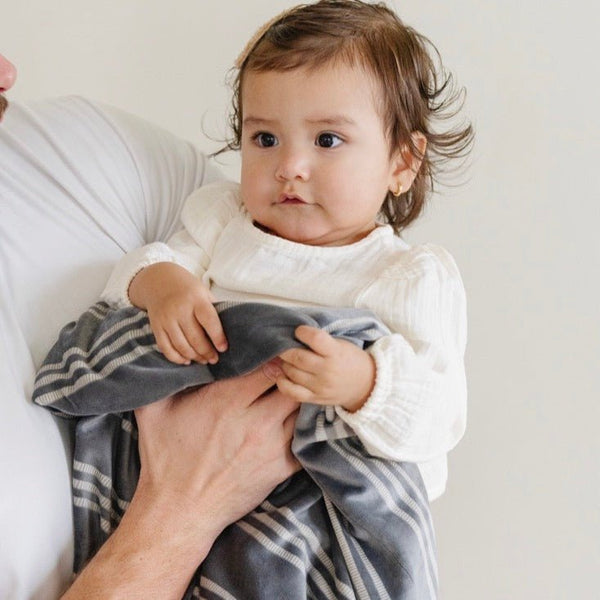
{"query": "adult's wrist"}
[(174, 523), (154, 551)]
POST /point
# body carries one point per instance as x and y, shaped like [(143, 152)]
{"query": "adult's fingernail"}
[(272, 369)]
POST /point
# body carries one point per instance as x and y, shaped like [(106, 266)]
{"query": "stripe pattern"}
[(348, 526)]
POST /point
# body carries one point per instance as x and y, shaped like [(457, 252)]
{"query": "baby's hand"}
[(185, 323), (331, 372)]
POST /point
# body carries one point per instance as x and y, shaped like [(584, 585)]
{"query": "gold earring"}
[(398, 191)]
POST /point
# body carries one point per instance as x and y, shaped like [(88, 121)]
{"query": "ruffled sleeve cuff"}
[(372, 421), (116, 290)]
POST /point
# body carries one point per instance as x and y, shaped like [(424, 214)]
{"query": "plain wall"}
[(521, 517)]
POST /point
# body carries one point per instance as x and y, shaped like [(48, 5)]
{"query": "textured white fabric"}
[(80, 184), (417, 410)]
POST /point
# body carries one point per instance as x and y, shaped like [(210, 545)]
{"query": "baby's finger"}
[(305, 360), (298, 376), (317, 340), (209, 319), (198, 340), (163, 342), (181, 345), (292, 390)]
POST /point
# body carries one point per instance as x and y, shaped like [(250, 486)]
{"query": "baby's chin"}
[(285, 235), (309, 237)]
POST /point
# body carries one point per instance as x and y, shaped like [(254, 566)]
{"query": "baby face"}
[(316, 162)]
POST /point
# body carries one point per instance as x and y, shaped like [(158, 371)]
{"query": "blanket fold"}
[(348, 526)]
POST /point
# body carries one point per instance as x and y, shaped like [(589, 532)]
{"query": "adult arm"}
[(207, 458)]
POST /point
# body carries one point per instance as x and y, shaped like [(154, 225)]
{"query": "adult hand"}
[(224, 442), (207, 458)]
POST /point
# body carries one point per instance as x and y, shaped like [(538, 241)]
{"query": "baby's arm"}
[(417, 409), (165, 279), (405, 396)]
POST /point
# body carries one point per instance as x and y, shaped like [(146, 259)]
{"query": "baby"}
[(337, 108)]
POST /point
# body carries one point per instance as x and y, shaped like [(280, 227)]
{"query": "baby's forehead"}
[(334, 84), (332, 92)]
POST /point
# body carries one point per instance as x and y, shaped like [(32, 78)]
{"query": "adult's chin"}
[(3, 105)]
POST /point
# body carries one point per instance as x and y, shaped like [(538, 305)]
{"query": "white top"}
[(80, 185), (417, 410)]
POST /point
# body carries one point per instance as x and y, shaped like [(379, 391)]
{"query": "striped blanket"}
[(348, 526)]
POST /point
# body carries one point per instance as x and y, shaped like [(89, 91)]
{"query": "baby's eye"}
[(265, 139), (328, 140)]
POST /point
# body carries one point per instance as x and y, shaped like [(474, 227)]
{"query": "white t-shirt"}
[(80, 185), (417, 409)]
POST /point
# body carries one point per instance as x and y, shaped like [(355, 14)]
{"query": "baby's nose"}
[(293, 164)]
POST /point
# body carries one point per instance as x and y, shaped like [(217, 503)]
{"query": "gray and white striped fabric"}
[(348, 526)]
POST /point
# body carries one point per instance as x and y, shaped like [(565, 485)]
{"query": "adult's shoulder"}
[(77, 118), (75, 126)]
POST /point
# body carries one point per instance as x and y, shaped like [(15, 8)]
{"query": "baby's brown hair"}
[(415, 90)]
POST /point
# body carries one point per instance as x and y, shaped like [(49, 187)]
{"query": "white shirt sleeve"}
[(417, 410), (80, 184), (167, 169), (205, 214)]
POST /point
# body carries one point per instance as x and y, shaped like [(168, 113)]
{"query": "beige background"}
[(521, 518)]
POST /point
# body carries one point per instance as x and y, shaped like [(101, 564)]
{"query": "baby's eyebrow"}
[(257, 121), (335, 120)]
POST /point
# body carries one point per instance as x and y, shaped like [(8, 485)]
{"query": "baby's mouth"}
[(290, 199)]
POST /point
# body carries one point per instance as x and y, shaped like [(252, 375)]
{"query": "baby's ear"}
[(408, 161)]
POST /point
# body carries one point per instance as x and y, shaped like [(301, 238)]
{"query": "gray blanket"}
[(347, 526)]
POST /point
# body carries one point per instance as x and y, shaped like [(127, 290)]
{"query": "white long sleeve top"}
[(417, 409)]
